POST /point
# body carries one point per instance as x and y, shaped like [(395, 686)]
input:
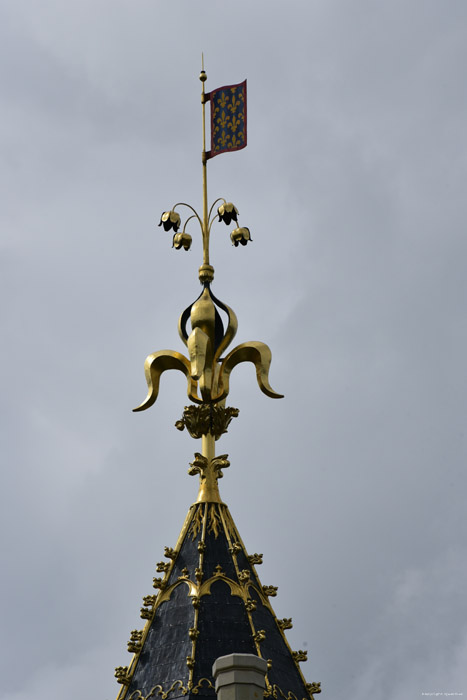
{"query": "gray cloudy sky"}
[(353, 185)]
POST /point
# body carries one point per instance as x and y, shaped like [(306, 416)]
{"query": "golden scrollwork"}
[(270, 591), (178, 686), (255, 558), (300, 655), (276, 692)]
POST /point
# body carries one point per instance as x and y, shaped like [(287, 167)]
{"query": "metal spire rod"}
[(206, 228)]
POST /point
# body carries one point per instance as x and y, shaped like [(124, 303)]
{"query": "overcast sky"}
[(353, 185)]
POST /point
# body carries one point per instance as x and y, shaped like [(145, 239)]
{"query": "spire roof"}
[(208, 602)]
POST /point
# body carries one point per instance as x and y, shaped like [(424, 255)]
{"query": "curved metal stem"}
[(219, 199), (211, 221), (195, 213), (193, 216)]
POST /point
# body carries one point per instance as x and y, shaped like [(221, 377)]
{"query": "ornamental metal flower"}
[(182, 240), (228, 212), (240, 235), (170, 219)]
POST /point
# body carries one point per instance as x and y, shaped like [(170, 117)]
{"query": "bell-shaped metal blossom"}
[(240, 235), (170, 219), (182, 240), (228, 212)]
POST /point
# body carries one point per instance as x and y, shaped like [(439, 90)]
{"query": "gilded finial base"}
[(209, 467)]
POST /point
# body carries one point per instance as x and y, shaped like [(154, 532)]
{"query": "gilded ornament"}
[(250, 605), (181, 240), (218, 571), (244, 576), (198, 465), (270, 591), (255, 558), (162, 566), (190, 662), (204, 419), (201, 547), (285, 623), (313, 688), (235, 548), (184, 573), (193, 633), (170, 553), (122, 675), (198, 574), (209, 470), (269, 662), (219, 463), (204, 369), (300, 655), (227, 212), (149, 602), (170, 220), (134, 644), (240, 235), (158, 583), (196, 524), (196, 601), (260, 636), (214, 519)]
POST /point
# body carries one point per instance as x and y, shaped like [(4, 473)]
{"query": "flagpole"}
[(203, 78)]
